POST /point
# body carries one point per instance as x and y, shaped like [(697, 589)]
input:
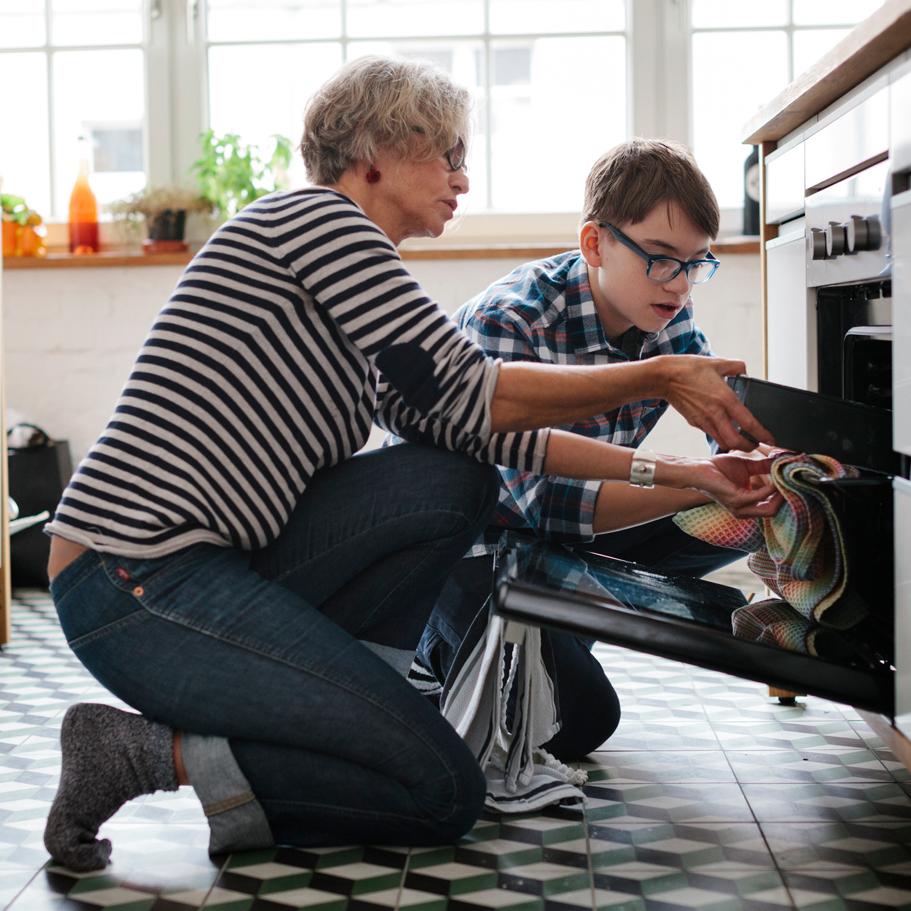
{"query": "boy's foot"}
[(109, 757)]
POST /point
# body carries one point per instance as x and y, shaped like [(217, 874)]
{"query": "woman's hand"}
[(741, 484), (695, 386)]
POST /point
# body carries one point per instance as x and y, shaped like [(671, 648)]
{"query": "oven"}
[(854, 404)]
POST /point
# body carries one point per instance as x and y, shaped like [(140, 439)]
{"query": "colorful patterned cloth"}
[(800, 551), (775, 622)]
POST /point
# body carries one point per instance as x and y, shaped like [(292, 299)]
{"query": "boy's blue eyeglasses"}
[(666, 268)]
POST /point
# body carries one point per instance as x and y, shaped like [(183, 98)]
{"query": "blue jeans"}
[(588, 704), (297, 731)]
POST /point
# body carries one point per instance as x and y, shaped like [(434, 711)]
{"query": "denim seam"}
[(101, 631), (230, 803)]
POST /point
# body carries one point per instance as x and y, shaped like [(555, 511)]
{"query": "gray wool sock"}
[(109, 757)]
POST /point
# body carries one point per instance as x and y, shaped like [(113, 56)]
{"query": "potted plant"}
[(164, 212), (231, 173)]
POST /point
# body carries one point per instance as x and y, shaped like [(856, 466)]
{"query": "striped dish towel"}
[(496, 659)]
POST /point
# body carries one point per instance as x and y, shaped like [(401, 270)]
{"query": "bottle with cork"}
[(83, 221)]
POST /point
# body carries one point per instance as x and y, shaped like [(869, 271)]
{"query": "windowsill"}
[(133, 256)]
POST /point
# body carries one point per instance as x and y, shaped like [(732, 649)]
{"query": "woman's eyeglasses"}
[(667, 268), (456, 156)]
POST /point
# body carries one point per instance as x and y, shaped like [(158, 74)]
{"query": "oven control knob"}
[(816, 241), (835, 239), (862, 233)]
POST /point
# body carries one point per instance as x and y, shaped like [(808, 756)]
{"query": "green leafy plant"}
[(230, 173), (16, 209)]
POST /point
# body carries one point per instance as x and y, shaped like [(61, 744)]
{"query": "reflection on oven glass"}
[(617, 584), (629, 586)]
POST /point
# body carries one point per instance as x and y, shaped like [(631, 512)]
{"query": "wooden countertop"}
[(525, 252), (871, 45)]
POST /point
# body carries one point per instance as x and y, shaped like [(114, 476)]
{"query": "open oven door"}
[(683, 619)]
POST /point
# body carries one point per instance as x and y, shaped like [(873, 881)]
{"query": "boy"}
[(624, 295)]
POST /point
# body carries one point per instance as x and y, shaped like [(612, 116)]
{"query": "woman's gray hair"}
[(378, 103)]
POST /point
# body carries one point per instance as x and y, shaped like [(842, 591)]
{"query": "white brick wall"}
[(71, 335)]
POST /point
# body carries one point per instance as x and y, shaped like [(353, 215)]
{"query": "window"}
[(71, 70), (554, 86), (265, 58), (728, 42)]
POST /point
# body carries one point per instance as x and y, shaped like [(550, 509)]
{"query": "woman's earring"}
[(373, 175)]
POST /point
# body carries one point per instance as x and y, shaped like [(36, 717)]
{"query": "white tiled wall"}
[(71, 334)]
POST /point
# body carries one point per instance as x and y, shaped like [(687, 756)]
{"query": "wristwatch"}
[(642, 468)]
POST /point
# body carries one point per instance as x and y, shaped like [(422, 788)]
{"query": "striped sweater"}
[(292, 329)]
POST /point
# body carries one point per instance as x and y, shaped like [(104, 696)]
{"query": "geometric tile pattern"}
[(709, 795)]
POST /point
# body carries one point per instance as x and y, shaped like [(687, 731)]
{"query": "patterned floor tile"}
[(544, 878), (683, 845), (835, 845), (666, 824), (661, 801), (861, 899), (856, 801), (497, 853), (13, 879), (665, 731), (680, 767), (802, 733), (451, 879), (821, 764)]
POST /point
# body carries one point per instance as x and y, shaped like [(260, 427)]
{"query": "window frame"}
[(658, 37)]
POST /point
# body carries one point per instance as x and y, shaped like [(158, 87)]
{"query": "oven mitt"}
[(799, 552)]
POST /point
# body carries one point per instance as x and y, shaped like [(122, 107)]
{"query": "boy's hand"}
[(696, 388)]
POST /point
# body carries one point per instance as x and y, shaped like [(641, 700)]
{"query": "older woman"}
[(220, 561)]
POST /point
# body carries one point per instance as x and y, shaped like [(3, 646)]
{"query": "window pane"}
[(394, 18), (724, 14), (463, 61), (21, 23), (539, 165), (108, 112), (524, 16), (734, 74), (833, 12), (249, 20), (811, 44), (23, 138), (96, 21), (251, 94)]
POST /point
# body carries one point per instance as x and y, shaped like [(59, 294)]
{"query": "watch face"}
[(751, 182)]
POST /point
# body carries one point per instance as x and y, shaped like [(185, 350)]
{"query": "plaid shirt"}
[(544, 311)]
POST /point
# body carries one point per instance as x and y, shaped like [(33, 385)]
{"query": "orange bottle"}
[(83, 214)]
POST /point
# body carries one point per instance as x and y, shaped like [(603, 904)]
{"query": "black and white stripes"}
[(262, 368)]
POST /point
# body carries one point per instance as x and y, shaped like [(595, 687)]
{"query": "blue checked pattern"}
[(543, 311)]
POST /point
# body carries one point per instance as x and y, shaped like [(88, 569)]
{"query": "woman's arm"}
[(540, 395)]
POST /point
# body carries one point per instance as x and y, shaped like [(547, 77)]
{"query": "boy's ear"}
[(591, 243)]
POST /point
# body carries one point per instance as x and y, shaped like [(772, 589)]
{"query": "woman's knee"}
[(452, 804)]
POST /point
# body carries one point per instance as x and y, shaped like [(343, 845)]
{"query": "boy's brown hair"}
[(627, 182)]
